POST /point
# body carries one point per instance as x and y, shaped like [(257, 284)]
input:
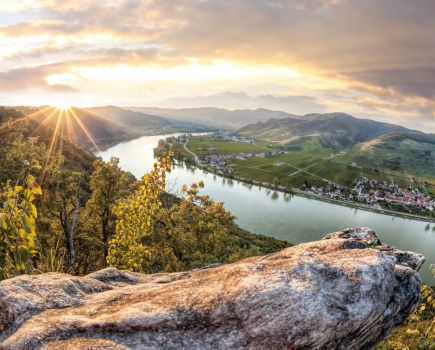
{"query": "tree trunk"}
[(71, 254), (105, 234), (69, 230)]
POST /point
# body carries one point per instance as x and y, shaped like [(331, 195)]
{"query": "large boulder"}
[(346, 291)]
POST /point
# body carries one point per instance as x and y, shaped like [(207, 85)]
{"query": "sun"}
[(62, 105)]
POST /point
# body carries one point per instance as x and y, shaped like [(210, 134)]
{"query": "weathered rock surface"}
[(346, 291)]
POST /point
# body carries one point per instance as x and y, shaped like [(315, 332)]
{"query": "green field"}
[(203, 145), (306, 160)]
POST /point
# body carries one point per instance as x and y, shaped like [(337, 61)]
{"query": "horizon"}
[(371, 60)]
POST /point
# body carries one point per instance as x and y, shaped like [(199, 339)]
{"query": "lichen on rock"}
[(346, 291)]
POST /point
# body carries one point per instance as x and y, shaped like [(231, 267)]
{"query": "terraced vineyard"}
[(306, 160)]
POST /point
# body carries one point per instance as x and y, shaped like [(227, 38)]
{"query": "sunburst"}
[(61, 105), (65, 123)]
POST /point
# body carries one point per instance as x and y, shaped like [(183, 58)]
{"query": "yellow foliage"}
[(18, 226), (128, 246)]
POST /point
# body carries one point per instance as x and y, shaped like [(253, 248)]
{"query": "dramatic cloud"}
[(371, 58)]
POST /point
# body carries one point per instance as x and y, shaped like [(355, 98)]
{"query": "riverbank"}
[(307, 194), (296, 219), (314, 196)]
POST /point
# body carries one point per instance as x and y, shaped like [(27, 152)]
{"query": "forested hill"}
[(20, 135), (131, 120), (99, 127)]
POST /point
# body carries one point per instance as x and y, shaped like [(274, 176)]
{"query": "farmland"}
[(307, 161)]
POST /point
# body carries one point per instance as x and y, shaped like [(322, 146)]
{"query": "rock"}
[(347, 291)]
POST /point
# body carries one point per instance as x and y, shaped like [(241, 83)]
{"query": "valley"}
[(307, 167), (293, 217), (267, 214)]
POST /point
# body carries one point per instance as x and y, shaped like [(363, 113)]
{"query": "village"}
[(374, 192), (380, 195)]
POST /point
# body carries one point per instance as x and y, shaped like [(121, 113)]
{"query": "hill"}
[(131, 120), (78, 125), (98, 127), (215, 117), (357, 143), (411, 153), (334, 130)]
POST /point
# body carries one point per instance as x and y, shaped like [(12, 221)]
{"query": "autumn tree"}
[(175, 235), (191, 232), (108, 183), (135, 215), (17, 224)]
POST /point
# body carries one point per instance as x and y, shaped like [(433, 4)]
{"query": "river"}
[(293, 218)]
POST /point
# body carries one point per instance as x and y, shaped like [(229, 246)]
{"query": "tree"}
[(63, 202), (155, 231), (108, 183), (191, 232), (17, 152), (17, 225), (128, 247)]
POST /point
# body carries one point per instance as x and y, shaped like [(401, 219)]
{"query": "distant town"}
[(380, 195)]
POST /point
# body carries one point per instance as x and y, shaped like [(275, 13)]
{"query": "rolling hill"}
[(340, 148), (14, 122), (98, 127), (131, 120), (334, 130), (82, 126), (397, 152), (215, 117)]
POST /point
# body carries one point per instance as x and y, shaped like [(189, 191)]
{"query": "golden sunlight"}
[(62, 105)]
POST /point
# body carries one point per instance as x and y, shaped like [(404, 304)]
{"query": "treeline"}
[(65, 210)]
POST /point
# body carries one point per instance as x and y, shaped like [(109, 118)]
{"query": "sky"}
[(369, 58)]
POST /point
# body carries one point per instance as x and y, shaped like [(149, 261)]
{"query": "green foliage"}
[(108, 184), (17, 225), (17, 152), (128, 247), (191, 233)]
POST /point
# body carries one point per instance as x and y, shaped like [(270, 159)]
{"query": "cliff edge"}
[(346, 291)]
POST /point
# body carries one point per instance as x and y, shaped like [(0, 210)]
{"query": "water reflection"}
[(274, 196)]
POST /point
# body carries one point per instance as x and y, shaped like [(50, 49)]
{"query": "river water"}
[(293, 218)]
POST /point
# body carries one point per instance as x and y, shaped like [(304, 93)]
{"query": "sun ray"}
[(84, 129), (70, 132), (55, 133), (62, 128), (52, 144), (45, 121), (38, 112), (27, 116)]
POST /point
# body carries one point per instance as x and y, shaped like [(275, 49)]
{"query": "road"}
[(197, 160)]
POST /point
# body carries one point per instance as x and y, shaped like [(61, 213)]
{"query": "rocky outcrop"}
[(346, 291)]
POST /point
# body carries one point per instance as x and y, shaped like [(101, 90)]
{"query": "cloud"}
[(31, 78), (382, 50)]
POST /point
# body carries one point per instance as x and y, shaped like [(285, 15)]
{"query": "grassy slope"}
[(316, 164), (201, 145)]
